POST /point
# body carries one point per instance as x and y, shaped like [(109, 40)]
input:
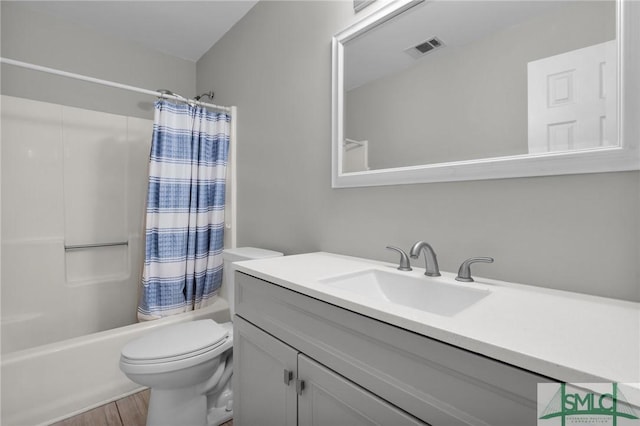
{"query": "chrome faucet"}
[(430, 260), (404, 260)]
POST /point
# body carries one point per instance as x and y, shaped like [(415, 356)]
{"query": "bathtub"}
[(49, 383)]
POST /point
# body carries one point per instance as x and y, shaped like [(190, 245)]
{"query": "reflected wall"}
[(468, 102)]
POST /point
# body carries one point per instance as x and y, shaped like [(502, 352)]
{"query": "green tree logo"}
[(573, 401)]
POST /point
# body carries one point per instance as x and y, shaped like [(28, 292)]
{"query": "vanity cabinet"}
[(260, 364), (277, 385), (357, 369)]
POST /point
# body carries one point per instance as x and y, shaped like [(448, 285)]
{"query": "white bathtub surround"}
[(561, 335), (55, 381), (70, 177)]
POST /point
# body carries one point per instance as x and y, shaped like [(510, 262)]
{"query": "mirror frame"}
[(624, 157)]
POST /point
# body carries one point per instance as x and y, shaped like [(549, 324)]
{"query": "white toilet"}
[(188, 366)]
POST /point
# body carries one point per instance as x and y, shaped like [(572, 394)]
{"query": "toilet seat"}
[(179, 345)]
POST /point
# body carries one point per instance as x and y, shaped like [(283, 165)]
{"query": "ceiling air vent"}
[(425, 47)]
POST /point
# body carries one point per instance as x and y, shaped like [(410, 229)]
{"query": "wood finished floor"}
[(129, 411)]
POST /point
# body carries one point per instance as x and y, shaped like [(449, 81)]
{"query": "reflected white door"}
[(572, 100)]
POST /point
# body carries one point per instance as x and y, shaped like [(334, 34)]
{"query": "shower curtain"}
[(185, 210)]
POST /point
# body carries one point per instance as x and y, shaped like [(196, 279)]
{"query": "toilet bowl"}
[(188, 367)]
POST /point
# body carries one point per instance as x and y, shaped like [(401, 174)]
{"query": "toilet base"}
[(218, 416), (171, 407), (183, 407), (220, 404), (193, 406)]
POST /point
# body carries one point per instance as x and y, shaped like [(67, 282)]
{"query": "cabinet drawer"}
[(436, 382)]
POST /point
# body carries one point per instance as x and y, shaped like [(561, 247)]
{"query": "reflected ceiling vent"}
[(434, 43)]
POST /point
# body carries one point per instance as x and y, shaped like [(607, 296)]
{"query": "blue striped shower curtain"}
[(185, 210)]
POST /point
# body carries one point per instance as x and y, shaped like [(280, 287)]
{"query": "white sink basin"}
[(442, 296)]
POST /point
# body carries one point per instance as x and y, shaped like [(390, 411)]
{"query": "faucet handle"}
[(464, 273), (404, 259)]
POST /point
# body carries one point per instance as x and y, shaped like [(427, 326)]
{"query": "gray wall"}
[(578, 233), (41, 39), (470, 101)]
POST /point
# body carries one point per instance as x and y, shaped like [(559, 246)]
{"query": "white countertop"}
[(565, 336)]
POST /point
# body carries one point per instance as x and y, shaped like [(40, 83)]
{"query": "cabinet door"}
[(261, 396), (329, 399)]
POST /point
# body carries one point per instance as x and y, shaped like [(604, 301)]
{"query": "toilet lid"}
[(176, 341)]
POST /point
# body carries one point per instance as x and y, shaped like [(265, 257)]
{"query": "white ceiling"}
[(181, 28)]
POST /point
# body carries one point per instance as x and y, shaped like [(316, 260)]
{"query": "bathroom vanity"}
[(315, 344)]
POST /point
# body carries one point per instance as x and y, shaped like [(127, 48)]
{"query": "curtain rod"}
[(110, 83)]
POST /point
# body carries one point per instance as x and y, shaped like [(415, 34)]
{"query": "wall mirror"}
[(446, 90)]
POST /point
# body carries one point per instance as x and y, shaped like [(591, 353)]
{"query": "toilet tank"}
[(228, 272)]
